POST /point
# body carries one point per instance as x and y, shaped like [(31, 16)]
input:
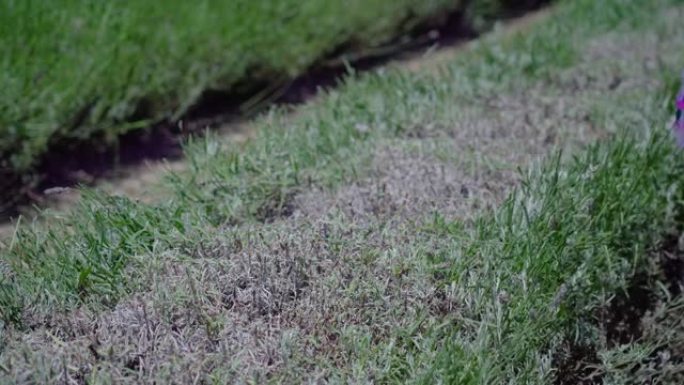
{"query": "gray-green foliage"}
[(525, 278)]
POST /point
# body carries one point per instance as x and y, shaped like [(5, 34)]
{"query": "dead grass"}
[(406, 182), (289, 297), (328, 293)]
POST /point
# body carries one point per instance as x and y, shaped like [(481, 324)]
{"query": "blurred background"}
[(78, 75)]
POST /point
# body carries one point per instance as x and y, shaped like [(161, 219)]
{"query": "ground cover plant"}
[(88, 70), (413, 226)]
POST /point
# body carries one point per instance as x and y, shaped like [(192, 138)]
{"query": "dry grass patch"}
[(337, 291), (290, 299), (406, 181)]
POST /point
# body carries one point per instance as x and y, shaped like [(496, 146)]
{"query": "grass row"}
[(79, 69), (579, 228)]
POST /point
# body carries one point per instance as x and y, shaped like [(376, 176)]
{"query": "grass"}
[(84, 70), (384, 233), (557, 252)]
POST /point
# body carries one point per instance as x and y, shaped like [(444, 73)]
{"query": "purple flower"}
[(678, 126)]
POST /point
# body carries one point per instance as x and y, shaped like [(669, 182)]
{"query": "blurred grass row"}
[(73, 70)]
